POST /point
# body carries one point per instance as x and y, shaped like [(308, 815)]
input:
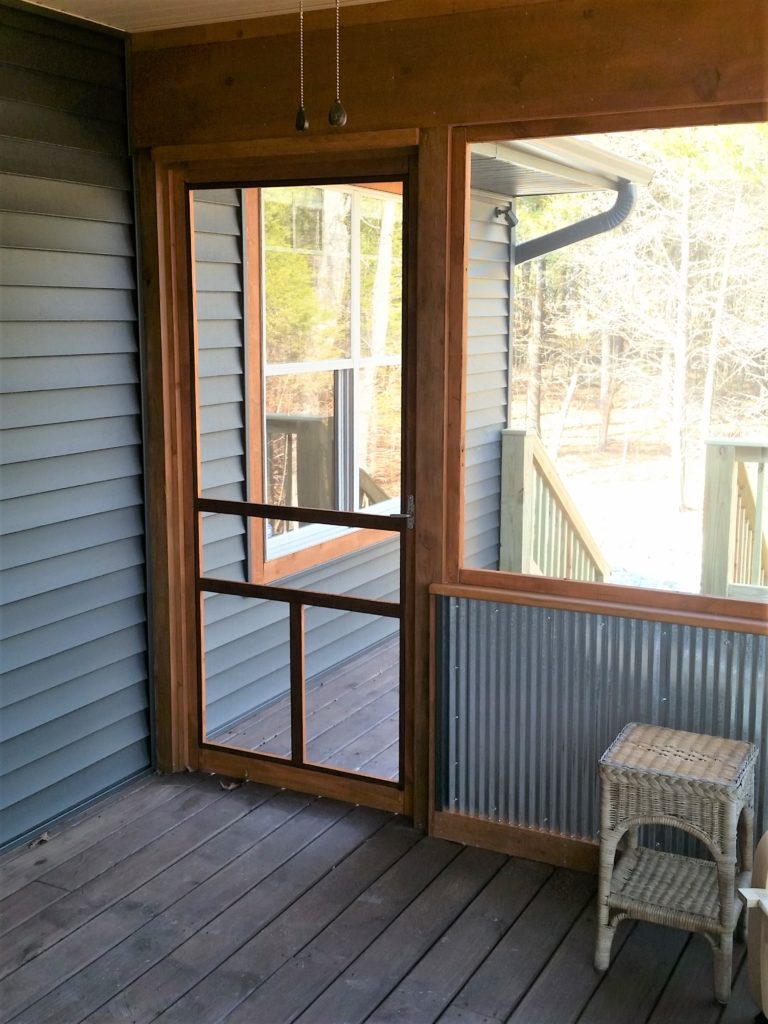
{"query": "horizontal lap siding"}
[(74, 652), (246, 641), (489, 297), (221, 369)]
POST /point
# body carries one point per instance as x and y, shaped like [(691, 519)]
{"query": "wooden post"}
[(516, 525), (314, 456), (758, 536), (170, 462), (718, 534), (254, 470), (429, 408)]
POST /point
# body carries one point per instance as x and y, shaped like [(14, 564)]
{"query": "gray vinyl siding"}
[(489, 301), (221, 374), (74, 693), (246, 641)]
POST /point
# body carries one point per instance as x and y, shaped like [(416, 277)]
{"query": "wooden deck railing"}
[(542, 531), (301, 463), (300, 459), (735, 545)]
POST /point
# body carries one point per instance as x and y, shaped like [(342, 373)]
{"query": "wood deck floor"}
[(176, 900), (352, 717)]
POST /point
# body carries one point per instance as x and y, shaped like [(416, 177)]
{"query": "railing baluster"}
[(757, 538), (735, 551), (539, 519), (541, 523)]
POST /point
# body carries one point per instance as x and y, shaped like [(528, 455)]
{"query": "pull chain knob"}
[(302, 121), (337, 115)]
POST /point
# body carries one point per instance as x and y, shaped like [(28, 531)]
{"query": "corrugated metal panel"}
[(75, 692), (490, 285), (529, 698)]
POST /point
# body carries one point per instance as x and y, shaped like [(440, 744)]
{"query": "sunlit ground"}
[(629, 498)]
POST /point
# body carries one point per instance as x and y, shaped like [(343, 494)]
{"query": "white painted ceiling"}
[(148, 15)]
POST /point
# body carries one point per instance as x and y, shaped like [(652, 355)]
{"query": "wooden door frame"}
[(434, 365), (163, 181)]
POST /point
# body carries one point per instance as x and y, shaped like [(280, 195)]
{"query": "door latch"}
[(410, 511)]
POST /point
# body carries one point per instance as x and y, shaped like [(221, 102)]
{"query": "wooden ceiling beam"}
[(512, 63)]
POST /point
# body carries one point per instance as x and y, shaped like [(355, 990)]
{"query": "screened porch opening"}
[(299, 316)]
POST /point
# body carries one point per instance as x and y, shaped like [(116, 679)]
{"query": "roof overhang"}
[(549, 167)]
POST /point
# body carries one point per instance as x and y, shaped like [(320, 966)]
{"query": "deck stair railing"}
[(300, 464), (542, 530), (735, 543), (300, 459)]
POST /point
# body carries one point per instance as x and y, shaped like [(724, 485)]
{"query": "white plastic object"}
[(756, 899)]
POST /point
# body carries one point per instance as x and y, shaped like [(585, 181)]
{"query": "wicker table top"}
[(674, 754)]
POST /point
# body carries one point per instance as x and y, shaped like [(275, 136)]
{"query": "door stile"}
[(298, 685)]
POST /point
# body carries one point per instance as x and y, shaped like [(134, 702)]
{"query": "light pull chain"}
[(302, 121), (337, 116)]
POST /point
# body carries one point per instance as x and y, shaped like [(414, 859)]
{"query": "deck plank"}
[(344, 707), (329, 726), (355, 755), (741, 1008), (26, 902), (499, 984), (369, 979), (208, 849), (131, 838), (386, 763), (72, 836), (208, 946), (355, 740), (267, 964), (637, 976), (568, 979), (106, 872), (262, 906), (332, 696), (688, 997), (435, 980), (302, 979), (156, 936)]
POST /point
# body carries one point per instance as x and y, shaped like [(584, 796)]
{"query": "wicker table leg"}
[(746, 838), (723, 968), (605, 930)]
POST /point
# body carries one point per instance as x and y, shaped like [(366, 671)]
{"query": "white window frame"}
[(348, 462)]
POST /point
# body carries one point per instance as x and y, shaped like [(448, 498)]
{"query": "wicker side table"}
[(701, 784)]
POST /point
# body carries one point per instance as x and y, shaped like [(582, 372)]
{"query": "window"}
[(299, 297), (332, 364), (617, 367)]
